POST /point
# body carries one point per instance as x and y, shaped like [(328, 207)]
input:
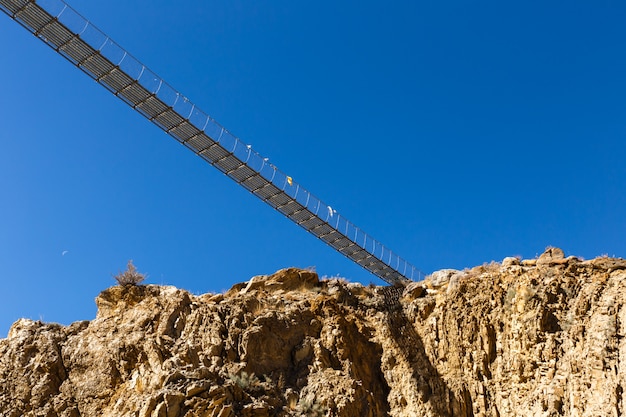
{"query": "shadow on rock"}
[(431, 387)]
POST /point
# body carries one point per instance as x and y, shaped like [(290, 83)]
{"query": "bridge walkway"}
[(92, 51)]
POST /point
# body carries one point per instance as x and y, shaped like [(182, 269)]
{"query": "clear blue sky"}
[(454, 132)]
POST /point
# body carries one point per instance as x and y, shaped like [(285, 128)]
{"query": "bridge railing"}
[(91, 50)]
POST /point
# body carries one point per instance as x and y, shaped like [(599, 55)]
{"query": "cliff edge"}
[(540, 337)]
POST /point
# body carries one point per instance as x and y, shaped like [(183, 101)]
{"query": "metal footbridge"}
[(93, 52)]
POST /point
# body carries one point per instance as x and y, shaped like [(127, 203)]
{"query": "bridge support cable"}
[(92, 51)]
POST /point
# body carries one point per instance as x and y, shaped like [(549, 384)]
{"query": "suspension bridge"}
[(84, 45)]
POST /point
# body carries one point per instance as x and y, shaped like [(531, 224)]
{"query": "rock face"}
[(541, 338)]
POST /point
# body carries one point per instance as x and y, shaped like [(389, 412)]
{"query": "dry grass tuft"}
[(130, 276)]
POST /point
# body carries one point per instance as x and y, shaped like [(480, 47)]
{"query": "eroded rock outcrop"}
[(540, 337)]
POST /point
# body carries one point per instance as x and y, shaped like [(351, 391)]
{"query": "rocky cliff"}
[(541, 337)]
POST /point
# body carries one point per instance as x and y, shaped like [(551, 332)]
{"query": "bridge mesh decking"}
[(72, 36)]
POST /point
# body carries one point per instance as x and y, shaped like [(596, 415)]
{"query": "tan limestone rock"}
[(540, 338)]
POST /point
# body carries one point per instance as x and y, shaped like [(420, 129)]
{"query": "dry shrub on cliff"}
[(245, 380), (310, 407), (130, 276)]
